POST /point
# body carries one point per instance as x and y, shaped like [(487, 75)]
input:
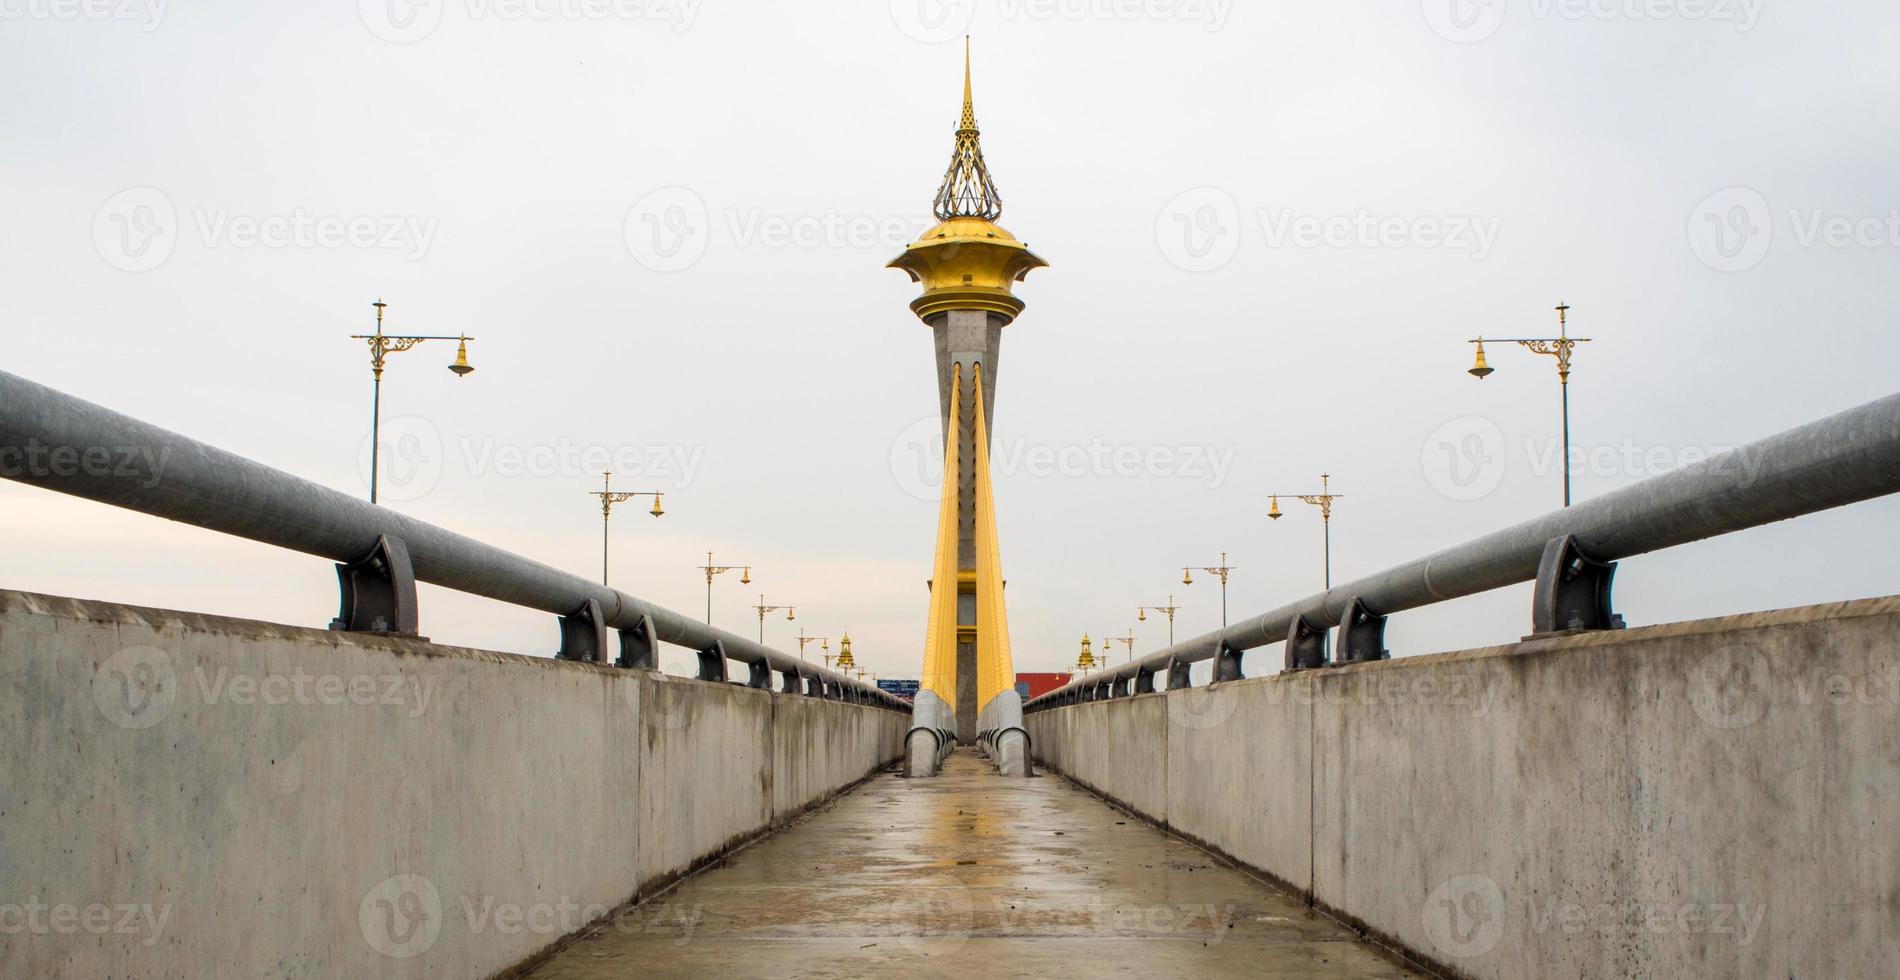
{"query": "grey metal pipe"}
[(52, 440), (1839, 460)]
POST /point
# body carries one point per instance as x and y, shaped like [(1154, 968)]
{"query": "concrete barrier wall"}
[(186, 795), (1118, 749), (1716, 798)]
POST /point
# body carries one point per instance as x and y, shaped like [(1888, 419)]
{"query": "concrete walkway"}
[(970, 875)]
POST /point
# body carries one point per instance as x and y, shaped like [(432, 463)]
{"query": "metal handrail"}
[(1839, 460), (57, 442)]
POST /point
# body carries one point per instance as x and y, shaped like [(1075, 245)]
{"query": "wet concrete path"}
[(970, 875)]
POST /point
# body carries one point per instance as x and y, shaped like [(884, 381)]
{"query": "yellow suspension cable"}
[(940, 639), (996, 671)]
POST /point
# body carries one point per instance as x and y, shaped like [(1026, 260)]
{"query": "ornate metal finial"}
[(968, 191)]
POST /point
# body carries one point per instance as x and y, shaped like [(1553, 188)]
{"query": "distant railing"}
[(1570, 554), (58, 442)]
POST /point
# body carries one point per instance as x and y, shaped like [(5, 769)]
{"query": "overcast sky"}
[(1271, 228)]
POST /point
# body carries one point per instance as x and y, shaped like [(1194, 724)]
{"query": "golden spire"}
[(968, 262), (968, 191), (969, 101)]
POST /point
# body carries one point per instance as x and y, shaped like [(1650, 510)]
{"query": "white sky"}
[(1588, 138)]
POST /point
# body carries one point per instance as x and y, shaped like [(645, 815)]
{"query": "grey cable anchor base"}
[(1361, 639), (1573, 590), (1227, 664), (1305, 646), (712, 663), (640, 647), (379, 592), (584, 635), (1362, 634)]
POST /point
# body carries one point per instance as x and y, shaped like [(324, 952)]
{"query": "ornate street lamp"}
[(1223, 570), (824, 650), (608, 498), (791, 612), (1169, 610), (1324, 501), (1560, 347), (381, 345), (713, 571)]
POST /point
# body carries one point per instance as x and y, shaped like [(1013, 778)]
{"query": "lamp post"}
[(381, 345), (1560, 347), (824, 650), (791, 612), (1127, 641), (1223, 570), (712, 571), (1170, 609), (608, 498), (1085, 663), (1324, 501)]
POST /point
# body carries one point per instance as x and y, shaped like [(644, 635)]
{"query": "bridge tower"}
[(967, 266)]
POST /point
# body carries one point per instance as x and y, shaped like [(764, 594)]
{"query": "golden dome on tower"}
[(968, 262)]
